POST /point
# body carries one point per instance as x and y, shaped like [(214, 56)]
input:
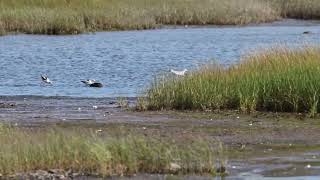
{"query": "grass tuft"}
[(279, 79), (98, 153)]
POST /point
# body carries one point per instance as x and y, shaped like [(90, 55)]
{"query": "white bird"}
[(179, 73), (45, 79)]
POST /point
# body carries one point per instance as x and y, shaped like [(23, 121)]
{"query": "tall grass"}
[(300, 9), (279, 79), (76, 16), (89, 152)]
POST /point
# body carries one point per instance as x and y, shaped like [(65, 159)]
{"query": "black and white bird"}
[(88, 81), (45, 79), (92, 83), (179, 73)]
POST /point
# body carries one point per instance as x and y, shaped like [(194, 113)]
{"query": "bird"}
[(88, 81), (306, 32), (45, 79), (92, 83), (179, 73)]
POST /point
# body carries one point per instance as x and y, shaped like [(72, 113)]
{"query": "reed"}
[(92, 152), (278, 79), (77, 16), (299, 9)]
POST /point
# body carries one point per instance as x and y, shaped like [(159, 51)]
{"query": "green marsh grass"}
[(77, 16), (299, 9), (98, 153), (279, 79)]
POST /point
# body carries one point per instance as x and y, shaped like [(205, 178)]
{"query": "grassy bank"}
[(75, 16), (299, 9), (96, 152), (274, 80)]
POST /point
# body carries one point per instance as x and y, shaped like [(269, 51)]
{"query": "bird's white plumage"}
[(179, 73), (45, 79), (89, 81)]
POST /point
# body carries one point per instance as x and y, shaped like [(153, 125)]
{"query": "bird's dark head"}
[(43, 77)]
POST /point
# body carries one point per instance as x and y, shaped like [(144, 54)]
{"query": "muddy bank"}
[(261, 144)]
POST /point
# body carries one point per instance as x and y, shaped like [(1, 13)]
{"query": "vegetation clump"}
[(279, 79), (94, 152), (77, 16)]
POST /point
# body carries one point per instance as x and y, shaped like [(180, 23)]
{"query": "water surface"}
[(126, 62)]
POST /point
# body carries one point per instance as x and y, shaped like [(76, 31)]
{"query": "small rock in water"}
[(7, 105), (112, 102), (221, 169)]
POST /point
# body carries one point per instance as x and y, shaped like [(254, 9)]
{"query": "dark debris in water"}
[(7, 105)]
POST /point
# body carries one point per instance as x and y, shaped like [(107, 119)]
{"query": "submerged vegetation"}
[(77, 16), (279, 79), (95, 152)]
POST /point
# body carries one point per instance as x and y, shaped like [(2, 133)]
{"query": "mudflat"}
[(268, 142)]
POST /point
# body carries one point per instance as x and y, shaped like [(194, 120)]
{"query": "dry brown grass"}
[(75, 16)]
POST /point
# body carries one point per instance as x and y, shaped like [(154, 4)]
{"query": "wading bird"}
[(179, 73), (45, 79), (92, 83)]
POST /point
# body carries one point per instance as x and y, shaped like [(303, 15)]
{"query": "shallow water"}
[(126, 62)]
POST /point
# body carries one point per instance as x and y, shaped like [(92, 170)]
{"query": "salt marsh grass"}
[(279, 79), (97, 153), (299, 9), (77, 16)]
